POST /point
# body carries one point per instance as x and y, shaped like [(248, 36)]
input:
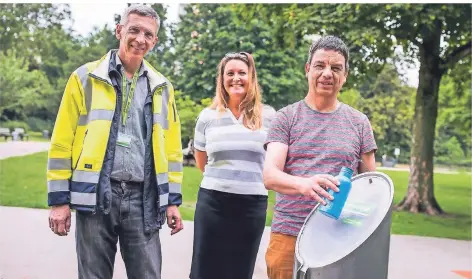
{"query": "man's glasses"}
[(135, 32)]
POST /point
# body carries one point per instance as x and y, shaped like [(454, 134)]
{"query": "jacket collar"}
[(118, 65), (106, 64)]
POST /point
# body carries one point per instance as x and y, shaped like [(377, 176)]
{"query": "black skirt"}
[(227, 233)]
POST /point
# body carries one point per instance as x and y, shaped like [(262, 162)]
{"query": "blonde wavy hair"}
[(251, 105)]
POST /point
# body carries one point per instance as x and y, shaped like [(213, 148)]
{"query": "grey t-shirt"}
[(317, 143)]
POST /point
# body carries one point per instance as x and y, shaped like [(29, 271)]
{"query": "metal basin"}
[(356, 246)]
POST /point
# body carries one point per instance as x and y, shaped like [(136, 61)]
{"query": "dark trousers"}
[(97, 236), (227, 233)]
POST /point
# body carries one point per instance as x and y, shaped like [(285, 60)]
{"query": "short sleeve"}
[(279, 129), (368, 140), (199, 141)]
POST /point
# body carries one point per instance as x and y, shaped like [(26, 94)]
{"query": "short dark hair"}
[(142, 10), (330, 43)]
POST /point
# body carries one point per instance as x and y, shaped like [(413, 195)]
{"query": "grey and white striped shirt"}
[(235, 153)]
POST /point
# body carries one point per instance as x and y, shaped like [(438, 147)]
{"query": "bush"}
[(35, 134), (38, 124), (449, 152), (14, 124)]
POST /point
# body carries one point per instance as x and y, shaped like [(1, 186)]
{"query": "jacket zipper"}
[(81, 150), (173, 108), (80, 155)]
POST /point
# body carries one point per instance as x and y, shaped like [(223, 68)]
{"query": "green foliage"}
[(412, 24), (292, 24), (352, 97), (449, 152), (161, 57), (14, 124), (455, 111), (188, 113), (38, 54), (453, 141), (439, 37), (39, 124), (201, 39), (389, 106), (35, 43), (91, 48), (208, 31), (28, 26), (22, 90)]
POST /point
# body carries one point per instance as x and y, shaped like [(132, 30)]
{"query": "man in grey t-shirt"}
[(307, 145)]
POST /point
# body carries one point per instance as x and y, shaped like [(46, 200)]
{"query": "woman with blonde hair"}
[(229, 150)]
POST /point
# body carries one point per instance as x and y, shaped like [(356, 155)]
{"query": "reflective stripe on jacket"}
[(77, 154)]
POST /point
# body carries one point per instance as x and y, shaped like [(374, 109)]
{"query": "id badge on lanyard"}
[(124, 140)]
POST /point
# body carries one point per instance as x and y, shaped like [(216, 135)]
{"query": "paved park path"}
[(21, 148), (29, 250)]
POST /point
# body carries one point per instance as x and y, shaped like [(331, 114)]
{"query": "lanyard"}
[(127, 104)]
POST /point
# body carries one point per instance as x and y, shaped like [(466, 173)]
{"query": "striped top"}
[(235, 153), (317, 143)]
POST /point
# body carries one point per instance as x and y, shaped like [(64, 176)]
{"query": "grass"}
[(22, 183)]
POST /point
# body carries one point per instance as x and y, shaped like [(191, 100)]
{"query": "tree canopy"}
[(430, 123)]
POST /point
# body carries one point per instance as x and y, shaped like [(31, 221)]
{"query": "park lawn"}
[(23, 184)]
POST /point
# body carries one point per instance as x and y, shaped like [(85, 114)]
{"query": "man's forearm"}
[(367, 162), (281, 182)]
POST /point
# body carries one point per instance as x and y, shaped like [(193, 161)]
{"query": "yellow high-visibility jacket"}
[(79, 163)]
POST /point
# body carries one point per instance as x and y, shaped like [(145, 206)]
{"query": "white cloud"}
[(87, 15)]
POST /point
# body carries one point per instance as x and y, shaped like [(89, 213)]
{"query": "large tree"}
[(438, 36)]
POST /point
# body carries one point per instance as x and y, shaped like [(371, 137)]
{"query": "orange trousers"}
[(280, 256)]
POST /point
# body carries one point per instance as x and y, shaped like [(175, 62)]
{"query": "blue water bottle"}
[(334, 208)]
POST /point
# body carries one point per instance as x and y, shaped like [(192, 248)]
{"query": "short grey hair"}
[(142, 10), (329, 42)]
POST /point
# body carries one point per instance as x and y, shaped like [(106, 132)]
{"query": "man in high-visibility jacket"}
[(116, 156)]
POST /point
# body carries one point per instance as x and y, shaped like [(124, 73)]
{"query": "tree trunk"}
[(420, 195)]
